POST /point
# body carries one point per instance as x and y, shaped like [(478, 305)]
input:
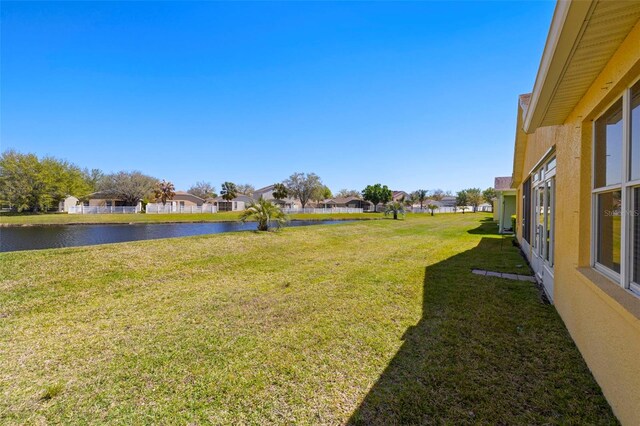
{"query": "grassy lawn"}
[(64, 218), (374, 322)]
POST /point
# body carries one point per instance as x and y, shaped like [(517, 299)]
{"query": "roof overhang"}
[(583, 37)]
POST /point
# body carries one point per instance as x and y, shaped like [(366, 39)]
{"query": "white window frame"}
[(626, 187), (543, 173)]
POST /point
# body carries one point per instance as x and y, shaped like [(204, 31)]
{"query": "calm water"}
[(43, 237)]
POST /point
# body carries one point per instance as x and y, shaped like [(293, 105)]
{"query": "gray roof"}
[(502, 183)]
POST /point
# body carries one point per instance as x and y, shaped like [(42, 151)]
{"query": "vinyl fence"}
[(321, 210), (168, 208), (103, 209), (451, 210)]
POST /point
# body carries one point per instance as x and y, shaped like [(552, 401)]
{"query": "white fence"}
[(168, 208), (103, 209), (321, 210), (451, 210)]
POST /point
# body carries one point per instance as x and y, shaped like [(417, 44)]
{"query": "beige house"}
[(504, 206), (267, 194), (68, 203), (346, 202), (240, 203)]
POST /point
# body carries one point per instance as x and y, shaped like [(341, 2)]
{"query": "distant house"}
[(69, 202), (183, 199), (448, 201), (504, 206), (182, 202), (104, 199), (346, 202), (267, 194), (399, 195), (240, 203)]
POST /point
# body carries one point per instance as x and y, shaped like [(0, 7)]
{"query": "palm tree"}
[(432, 208), (164, 191), (229, 191), (421, 196), (396, 208), (264, 212)]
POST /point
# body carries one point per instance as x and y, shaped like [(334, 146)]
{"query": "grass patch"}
[(51, 391), (373, 322)]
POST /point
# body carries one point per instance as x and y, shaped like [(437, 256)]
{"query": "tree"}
[(489, 196), (302, 186), (321, 193), (280, 191), (264, 212), (420, 196), (164, 191), (432, 208), (229, 191), (346, 193), (246, 189), (94, 176), (396, 208), (203, 190), (462, 200), (130, 187), (474, 198), (438, 194), (30, 183), (377, 194)]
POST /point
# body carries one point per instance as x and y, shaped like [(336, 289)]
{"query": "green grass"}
[(374, 322), (68, 219)]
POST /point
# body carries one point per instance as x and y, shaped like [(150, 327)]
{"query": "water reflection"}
[(55, 236)]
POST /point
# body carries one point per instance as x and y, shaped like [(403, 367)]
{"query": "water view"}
[(56, 236)]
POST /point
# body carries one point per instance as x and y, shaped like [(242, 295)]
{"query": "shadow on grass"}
[(485, 351), (487, 227)]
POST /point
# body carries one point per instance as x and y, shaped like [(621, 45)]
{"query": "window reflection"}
[(608, 147), (635, 132), (609, 229)]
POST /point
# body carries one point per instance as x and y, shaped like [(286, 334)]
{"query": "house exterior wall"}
[(179, 202), (102, 202), (602, 318), (67, 203)]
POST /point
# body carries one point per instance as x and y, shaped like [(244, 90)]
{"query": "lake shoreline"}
[(24, 225)]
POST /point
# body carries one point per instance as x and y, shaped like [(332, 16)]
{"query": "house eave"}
[(568, 23)]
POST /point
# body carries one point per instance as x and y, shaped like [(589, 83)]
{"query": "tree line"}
[(29, 183)]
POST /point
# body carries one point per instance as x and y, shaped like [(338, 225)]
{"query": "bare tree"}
[(203, 190), (438, 194), (130, 187), (246, 189), (345, 193), (302, 186)]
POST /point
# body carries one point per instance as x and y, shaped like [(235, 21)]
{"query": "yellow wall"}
[(603, 318)]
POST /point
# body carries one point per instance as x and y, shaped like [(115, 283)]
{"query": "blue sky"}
[(412, 95)]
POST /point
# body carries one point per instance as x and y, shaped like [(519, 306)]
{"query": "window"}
[(634, 155), (616, 190), (542, 208), (635, 278), (608, 146), (609, 229)]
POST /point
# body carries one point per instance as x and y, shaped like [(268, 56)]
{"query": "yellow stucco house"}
[(576, 172)]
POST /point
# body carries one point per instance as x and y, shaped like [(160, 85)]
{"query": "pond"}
[(56, 236)]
